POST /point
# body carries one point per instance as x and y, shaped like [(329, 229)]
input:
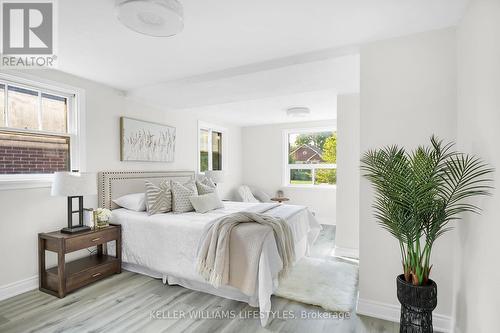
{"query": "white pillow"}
[(246, 194), (206, 202), (134, 201), (261, 195)]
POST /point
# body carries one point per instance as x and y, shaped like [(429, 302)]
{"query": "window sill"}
[(312, 187), (18, 182)]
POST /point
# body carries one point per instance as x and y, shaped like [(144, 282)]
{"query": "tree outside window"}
[(312, 158)]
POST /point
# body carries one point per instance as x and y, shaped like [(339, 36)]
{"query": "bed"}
[(165, 245)]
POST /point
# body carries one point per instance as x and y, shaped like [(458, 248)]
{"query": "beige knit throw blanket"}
[(230, 250)]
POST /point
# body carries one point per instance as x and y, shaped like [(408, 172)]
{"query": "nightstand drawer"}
[(91, 239), (93, 274)]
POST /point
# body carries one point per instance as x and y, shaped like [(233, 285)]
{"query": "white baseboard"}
[(392, 312), (18, 287), (346, 252)]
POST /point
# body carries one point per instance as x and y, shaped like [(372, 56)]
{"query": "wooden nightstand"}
[(67, 277)]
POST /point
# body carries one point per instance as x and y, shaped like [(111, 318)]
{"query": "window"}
[(38, 130), (310, 157), (210, 147)]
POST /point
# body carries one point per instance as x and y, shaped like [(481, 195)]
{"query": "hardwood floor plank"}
[(224, 306), (59, 309), (30, 305), (165, 304), (132, 315), (245, 323), (106, 310), (3, 320), (25, 298)]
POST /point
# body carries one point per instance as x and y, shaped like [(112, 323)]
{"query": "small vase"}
[(101, 224), (417, 303)]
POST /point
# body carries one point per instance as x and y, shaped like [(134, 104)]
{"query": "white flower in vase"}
[(103, 215)]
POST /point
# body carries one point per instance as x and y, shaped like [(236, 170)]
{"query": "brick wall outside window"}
[(33, 154)]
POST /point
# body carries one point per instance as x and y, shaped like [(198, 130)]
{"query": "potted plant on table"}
[(417, 195)]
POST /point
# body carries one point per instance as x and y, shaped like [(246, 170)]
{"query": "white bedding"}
[(165, 245)]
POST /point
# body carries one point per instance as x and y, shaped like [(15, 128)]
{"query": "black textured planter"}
[(417, 303)]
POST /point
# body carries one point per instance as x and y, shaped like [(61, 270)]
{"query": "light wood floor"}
[(128, 303)]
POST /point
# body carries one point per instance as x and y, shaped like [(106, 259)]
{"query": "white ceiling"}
[(339, 75), (221, 34), (271, 110)]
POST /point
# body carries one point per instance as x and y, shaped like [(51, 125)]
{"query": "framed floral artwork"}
[(146, 141)]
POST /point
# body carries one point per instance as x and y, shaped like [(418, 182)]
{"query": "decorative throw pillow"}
[(158, 198), (181, 194), (246, 194), (134, 201), (206, 202), (205, 186), (208, 181), (261, 195)]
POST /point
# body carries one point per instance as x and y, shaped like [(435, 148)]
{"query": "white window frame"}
[(76, 128), (212, 128), (287, 167)]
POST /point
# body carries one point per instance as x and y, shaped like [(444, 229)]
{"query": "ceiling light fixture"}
[(298, 111), (158, 18)]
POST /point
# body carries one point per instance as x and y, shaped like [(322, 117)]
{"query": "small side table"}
[(67, 277), (280, 199)]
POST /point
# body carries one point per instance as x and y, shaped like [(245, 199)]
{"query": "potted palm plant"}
[(417, 195)]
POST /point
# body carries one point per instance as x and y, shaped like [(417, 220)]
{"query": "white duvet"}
[(165, 246)]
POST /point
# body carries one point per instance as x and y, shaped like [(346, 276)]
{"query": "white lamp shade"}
[(74, 184), (216, 176)]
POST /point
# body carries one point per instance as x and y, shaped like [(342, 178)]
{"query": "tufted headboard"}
[(114, 184)]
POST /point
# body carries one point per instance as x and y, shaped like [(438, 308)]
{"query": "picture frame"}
[(144, 141)]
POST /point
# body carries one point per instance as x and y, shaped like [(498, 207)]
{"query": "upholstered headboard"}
[(114, 184)]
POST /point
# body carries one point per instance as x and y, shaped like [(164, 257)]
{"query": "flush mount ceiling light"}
[(158, 18), (298, 111)]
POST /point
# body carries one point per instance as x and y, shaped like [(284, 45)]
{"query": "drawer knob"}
[(96, 239), (96, 274)]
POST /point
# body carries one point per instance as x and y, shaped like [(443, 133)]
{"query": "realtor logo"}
[(27, 34)]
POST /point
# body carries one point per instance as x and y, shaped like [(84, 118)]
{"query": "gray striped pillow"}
[(158, 198)]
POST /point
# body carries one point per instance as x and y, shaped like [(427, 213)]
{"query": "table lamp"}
[(74, 185)]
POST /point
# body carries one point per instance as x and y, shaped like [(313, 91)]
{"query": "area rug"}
[(329, 284)]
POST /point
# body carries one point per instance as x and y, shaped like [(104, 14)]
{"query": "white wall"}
[(477, 292), (348, 156), (263, 168), (408, 93), (24, 213)]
